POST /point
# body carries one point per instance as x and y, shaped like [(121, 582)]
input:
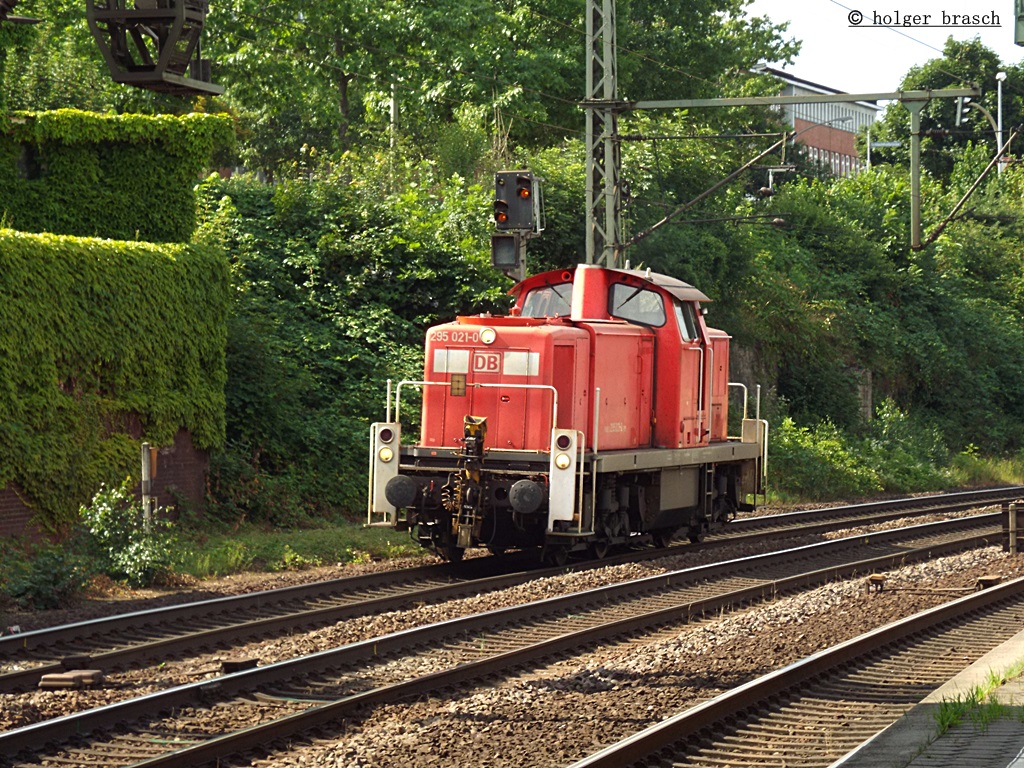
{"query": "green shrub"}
[(817, 463), (126, 177), (49, 578), (908, 454), (334, 281), (293, 561), (126, 545)]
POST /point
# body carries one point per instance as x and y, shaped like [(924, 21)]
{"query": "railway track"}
[(249, 709), (816, 711), (154, 636)]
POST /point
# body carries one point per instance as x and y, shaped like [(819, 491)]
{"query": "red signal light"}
[(501, 213), (523, 192)]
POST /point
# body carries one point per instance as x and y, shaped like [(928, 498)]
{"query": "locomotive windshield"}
[(637, 305), (548, 301)]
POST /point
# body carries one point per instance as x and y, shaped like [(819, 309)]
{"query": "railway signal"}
[(517, 218), (515, 200)]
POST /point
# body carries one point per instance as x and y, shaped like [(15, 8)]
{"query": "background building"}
[(828, 131)]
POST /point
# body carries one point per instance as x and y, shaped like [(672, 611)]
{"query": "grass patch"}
[(255, 549), (978, 706), (970, 469), (974, 707)]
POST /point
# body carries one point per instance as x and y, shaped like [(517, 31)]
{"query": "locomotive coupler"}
[(466, 492)]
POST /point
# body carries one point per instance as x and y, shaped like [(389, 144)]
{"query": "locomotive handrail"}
[(700, 396), (746, 394), (709, 382), (475, 385), (764, 460)]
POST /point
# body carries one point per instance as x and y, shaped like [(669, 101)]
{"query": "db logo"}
[(486, 362)]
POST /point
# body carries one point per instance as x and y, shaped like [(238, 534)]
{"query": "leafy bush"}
[(908, 454), (817, 463), (293, 561), (336, 277), (897, 453), (125, 176), (126, 546), (48, 579)]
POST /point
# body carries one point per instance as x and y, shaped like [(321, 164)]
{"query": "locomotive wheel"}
[(662, 539), (599, 548), (497, 551), (724, 510), (451, 553), (556, 556), (696, 534)]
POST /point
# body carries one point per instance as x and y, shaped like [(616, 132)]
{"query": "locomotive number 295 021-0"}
[(456, 337)]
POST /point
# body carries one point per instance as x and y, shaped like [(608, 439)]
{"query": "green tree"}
[(57, 64), (328, 80), (690, 50), (337, 274), (964, 62)]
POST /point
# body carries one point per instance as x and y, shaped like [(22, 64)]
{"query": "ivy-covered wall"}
[(94, 335), (127, 177)]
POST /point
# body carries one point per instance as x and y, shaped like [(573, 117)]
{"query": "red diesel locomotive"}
[(594, 414)]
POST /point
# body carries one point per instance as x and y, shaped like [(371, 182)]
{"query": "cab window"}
[(636, 304), (686, 320), (548, 301)]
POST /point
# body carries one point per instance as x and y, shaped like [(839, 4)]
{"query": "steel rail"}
[(670, 735), (958, 536), (277, 611), (945, 502)]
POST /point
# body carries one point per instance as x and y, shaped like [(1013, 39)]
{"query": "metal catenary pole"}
[(604, 196), (602, 141)]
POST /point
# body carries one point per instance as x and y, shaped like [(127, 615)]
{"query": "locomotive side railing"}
[(746, 395), (759, 436)]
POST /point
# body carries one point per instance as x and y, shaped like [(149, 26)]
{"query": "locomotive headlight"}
[(562, 461), (385, 454), (488, 335)]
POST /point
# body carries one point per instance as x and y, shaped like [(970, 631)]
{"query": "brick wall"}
[(15, 517), (181, 471), (180, 478)]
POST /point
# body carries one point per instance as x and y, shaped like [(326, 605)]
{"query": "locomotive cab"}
[(594, 414)]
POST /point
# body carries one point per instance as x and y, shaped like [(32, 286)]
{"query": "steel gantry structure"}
[(603, 106)]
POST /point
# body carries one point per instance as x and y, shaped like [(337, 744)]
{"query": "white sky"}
[(866, 59)]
